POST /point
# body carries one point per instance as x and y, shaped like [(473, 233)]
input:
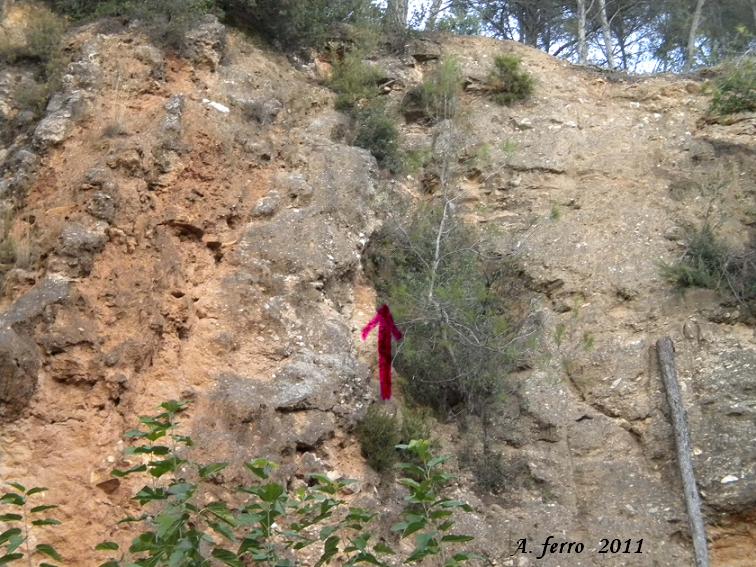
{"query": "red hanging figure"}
[(386, 328)]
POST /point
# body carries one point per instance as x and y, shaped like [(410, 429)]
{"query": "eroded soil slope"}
[(192, 228)]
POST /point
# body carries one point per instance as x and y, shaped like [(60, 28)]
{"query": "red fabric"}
[(386, 329)]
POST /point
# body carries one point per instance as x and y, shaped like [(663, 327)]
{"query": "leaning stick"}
[(665, 350)]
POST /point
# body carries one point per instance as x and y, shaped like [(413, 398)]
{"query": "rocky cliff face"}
[(192, 228)]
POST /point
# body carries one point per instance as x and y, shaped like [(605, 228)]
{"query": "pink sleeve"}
[(370, 326)]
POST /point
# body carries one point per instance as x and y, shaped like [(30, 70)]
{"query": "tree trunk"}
[(607, 34), (435, 10), (582, 45), (396, 15), (665, 351), (691, 55)]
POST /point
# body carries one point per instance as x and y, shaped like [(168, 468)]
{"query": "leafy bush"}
[(488, 468), (375, 130), (437, 98), (274, 524), (167, 21), (415, 425), (353, 80), (297, 23), (703, 263), (378, 434), (41, 38), (735, 90), (447, 293), (709, 262), (8, 247), (508, 81), (374, 126), (21, 519), (31, 95), (427, 512)]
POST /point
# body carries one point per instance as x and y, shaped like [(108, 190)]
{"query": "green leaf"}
[(49, 550), (111, 563), (156, 434), (270, 492), (211, 470), (11, 517), (159, 468), (183, 490), (170, 520), (148, 450), (12, 498), (249, 544), (143, 542), (330, 549), (227, 557), (184, 440), (383, 548), (107, 546), (46, 522), (135, 434), (36, 490), (409, 483), (221, 511), (149, 494), (43, 564), (5, 559), (327, 532), (409, 528), (132, 519), (18, 486), (14, 543), (223, 530), (7, 534), (261, 468), (174, 406), (43, 508), (457, 538), (436, 461), (120, 474)]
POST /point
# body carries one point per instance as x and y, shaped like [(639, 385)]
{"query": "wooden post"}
[(665, 350)]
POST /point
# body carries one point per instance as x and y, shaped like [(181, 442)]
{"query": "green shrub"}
[(292, 24), (379, 433), (735, 90), (354, 81), (416, 160), (427, 513), (449, 299), (43, 35), (8, 246), (166, 21), (487, 467), (508, 81), (704, 263), (437, 98), (186, 524), (415, 425), (31, 95), (41, 38), (709, 262), (375, 130)]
